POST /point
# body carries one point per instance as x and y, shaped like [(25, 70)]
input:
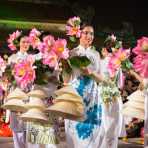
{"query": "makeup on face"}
[(24, 44), (87, 36)]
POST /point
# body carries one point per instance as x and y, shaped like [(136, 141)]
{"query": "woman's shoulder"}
[(75, 51), (95, 53)]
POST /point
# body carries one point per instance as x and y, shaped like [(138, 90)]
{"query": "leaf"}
[(126, 64), (72, 39), (79, 61), (42, 73), (66, 66)]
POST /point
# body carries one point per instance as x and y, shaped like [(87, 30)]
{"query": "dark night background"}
[(124, 17)]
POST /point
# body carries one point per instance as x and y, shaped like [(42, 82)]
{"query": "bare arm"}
[(96, 76), (138, 77)]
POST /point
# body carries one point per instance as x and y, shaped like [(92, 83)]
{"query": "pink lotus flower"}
[(113, 66), (113, 37), (116, 60), (122, 54), (14, 36), (142, 46), (12, 41), (24, 73), (73, 27), (34, 32), (47, 44), (73, 31), (12, 46), (34, 38), (141, 65), (2, 66), (51, 60), (74, 21), (141, 59), (60, 48)]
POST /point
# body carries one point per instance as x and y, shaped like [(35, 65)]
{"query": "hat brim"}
[(66, 115), (133, 112), (34, 115), (33, 119), (17, 94), (68, 110), (69, 97), (37, 93), (15, 105), (137, 96), (66, 89), (133, 104), (15, 108)]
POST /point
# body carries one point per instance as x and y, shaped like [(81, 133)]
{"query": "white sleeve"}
[(98, 62), (12, 59), (7, 116)]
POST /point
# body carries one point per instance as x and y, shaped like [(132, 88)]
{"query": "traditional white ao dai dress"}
[(85, 134), (112, 125)]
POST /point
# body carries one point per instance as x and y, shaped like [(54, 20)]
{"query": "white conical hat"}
[(66, 109), (134, 104), (34, 115), (137, 96), (133, 112), (37, 93), (69, 97), (17, 94), (66, 89), (15, 105), (35, 102)]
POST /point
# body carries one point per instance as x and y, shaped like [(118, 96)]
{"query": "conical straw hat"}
[(34, 115), (36, 103), (66, 89), (65, 109), (17, 94), (37, 93), (69, 97), (15, 105), (133, 112), (137, 96), (134, 104)]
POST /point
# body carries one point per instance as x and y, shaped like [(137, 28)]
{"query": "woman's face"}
[(24, 44), (104, 52), (87, 36)]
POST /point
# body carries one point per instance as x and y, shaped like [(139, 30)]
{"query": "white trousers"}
[(112, 124), (19, 140), (146, 120)]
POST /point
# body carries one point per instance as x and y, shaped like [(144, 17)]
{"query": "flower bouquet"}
[(13, 42), (109, 91), (2, 66), (119, 59), (73, 28), (141, 60)]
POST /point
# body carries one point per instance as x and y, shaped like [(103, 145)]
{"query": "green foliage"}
[(126, 64), (72, 39), (42, 73), (79, 61)]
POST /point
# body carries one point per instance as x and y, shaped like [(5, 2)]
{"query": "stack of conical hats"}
[(36, 107), (134, 107), (68, 104), (15, 101)]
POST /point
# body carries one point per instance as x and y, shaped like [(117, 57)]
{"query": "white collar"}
[(82, 48), (22, 53)]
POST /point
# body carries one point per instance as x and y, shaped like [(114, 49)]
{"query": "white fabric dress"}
[(146, 112), (112, 124), (86, 134), (18, 127)]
